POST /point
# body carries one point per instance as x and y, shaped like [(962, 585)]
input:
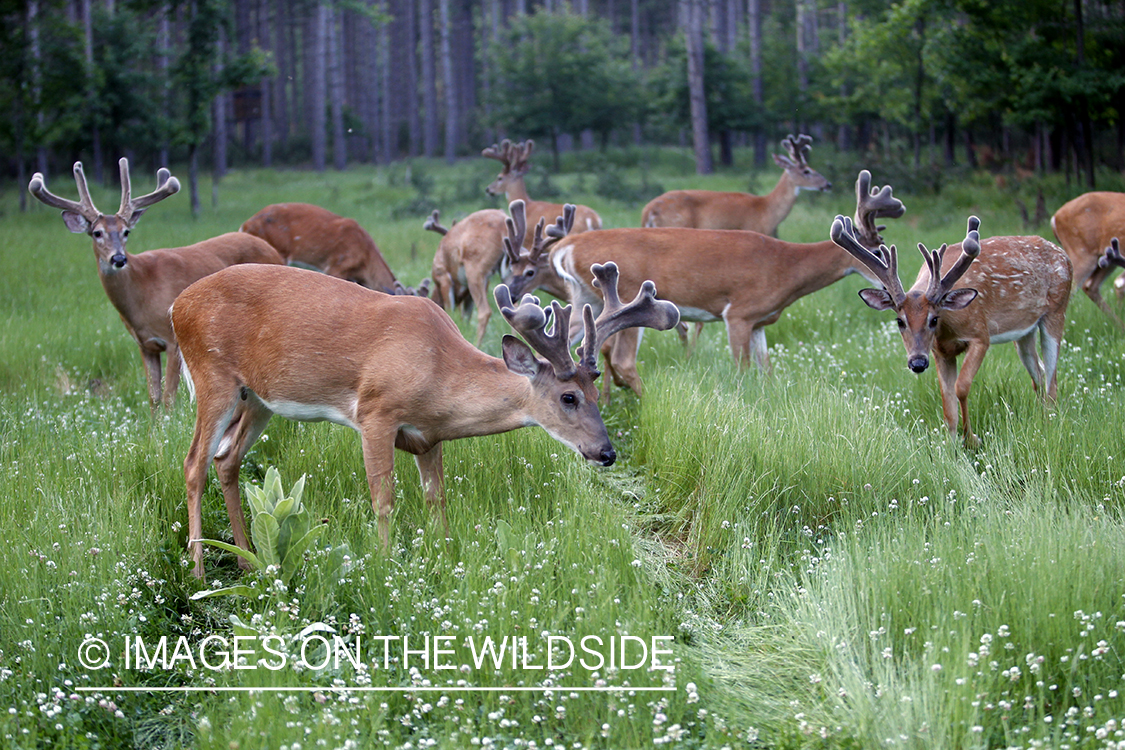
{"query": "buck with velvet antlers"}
[(979, 294), (260, 340), (710, 209), (142, 287), (745, 279), (510, 183)]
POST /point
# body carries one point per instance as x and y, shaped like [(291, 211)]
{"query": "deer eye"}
[(568, 399), (933, 322), (529, 272), (97, 234), (901, 323), (125, 233)]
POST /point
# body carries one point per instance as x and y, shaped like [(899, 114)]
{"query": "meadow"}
[(827, 567)]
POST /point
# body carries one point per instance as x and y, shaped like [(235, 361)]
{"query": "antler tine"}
[(789, 143), (84, 207), (802, 146), (530, 320), (644, 311), (521, 155), (882, 263), (970, 249), (1112, 255), (432, 224), (873, 203), (563, 224), (166, 186), (517, 229), (500, 152)]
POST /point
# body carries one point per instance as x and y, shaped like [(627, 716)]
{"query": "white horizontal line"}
[(363, 689)]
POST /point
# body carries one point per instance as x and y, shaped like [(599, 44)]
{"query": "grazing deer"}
[(745, 279), (468, 254), (314, 236), (710, 209), (1084, 227), (514, 157), (142, 287), (1016, 288), (262, 340)]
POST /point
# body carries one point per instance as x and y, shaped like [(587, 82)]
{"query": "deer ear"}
[(137, 214), (783, 161), (877, 299), (958, 299), (75, 222), (519, 358)]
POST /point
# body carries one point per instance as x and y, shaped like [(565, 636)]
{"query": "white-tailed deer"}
[(710, 209), (1084, 228), (314, 236), (514, 157), (142, 287), (1017, 288), (260, 340), (745, 279), (467, 256)]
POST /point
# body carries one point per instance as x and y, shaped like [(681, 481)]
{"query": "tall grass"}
[(834, 569)]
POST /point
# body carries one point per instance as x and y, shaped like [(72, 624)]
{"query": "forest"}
[(1011, 85)]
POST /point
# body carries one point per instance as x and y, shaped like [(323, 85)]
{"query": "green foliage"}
[(560, 73), (727, 87), (282, 531)]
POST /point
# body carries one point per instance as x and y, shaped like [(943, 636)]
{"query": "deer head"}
[(514, 157), (525, 264), (567, 403), (796, 164), (108, 232), (919, 311)]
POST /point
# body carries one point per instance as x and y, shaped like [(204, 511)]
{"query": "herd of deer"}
[(257, 337)]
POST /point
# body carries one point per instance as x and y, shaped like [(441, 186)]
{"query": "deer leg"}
[(682, 332), (622, 359), (1119, 287), (214, 413), (249, 420), (433, 483), (1030, 359), (379, 461), (947, 382), (171, 375), (973, 359), (152, 376), (478, 290), (758, 350), (695, 337), (1050, 337)]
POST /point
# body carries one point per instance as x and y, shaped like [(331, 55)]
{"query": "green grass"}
[(834, 570)]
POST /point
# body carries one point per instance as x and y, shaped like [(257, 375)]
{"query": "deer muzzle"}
[(118, 260), (918, 363)]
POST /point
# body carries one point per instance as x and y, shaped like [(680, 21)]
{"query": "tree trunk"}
[(448, 82), (318, 84), (693, 31), (635, 51), (164, 43), (95, 130), (336, 90), (429, 78), (843, 132), (386, 145), (285, 53), (410, 57), (754, 20), (1085, 125), (263, 34), (218, 124)]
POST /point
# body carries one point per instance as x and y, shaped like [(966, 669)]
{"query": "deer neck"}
[(780, 201), (486, 399), (517, 190), (825, 263)]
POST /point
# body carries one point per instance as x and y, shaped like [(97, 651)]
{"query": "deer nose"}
[(607, 457), (828, 186), (118, 260), (919, 363)]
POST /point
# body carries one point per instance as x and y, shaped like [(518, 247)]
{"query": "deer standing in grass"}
[(711, 209), (142, 287), (744, 279), (263, 340), (314, 236), (1084, 228), (979, 294)]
